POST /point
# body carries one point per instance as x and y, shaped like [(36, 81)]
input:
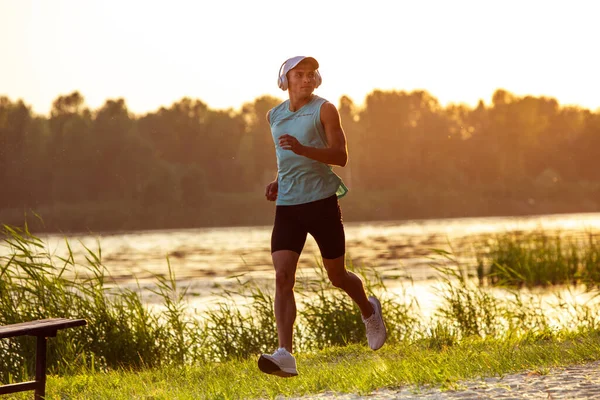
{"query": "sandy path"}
[(574, 382)]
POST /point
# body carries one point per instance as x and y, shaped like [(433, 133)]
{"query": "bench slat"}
[(39, 327), (18, 387)]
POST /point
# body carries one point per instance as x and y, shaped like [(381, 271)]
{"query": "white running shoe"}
[(376, 332), (281, 363)]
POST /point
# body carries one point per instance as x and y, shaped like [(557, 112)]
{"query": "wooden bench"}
[(42, 329)]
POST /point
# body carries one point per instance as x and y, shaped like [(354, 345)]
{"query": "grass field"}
[(129, 352), (350, 369)]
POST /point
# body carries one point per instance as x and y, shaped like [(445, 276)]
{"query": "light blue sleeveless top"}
[(302, 180)]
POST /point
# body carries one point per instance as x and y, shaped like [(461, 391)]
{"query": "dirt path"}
[(574, 382)]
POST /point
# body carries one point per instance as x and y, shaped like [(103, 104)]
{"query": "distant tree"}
[(70, 149), (178, 133), (121, 160), (355, 136), (436, 140), (386, 121), (479, 155), (585, 150), (257, 150), (16, 142), (562, 142), (399, 126), (223, 168), (515, 148), (194, 185)]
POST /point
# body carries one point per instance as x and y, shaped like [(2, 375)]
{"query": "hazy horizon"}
[(228, 53)]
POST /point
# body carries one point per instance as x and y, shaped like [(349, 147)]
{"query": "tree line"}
[(199, 163)]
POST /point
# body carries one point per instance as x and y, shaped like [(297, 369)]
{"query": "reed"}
[(540, 259), (124, 332)]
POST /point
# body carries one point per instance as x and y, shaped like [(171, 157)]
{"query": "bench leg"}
[(40, 369)]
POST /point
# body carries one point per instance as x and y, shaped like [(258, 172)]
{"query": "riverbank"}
[(409, 201), (129, 351), (536, 366)]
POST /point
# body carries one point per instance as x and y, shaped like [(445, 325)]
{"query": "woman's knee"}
[(336, 271), (285, 280), (337, 277), (285, 263)]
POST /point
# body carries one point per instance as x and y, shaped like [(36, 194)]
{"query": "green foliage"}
[(517, 155), (469, 309), (540, 259), (329, 317), (351, 371), (236, 330), (439, 337), (121, 330), (124, 332)]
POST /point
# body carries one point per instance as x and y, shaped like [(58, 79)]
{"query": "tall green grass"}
[(411, 369), (121, 330), (470, 309), (327, 317), (124, 332), (541, 259)]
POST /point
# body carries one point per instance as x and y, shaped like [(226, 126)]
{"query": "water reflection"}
[(398, 250)]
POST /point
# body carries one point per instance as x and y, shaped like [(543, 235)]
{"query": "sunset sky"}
[(228, 52)]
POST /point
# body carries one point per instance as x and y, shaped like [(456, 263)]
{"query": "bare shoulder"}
[(268, 116), (329, 113)]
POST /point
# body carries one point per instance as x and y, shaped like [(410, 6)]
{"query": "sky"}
[(228, 52)]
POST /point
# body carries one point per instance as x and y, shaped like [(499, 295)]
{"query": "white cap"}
[(290, 64)]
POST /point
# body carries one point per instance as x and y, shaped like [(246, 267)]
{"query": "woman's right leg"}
[(287, 242), (285, 263)]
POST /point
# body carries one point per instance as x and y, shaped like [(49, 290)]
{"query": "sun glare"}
[(154, 53)]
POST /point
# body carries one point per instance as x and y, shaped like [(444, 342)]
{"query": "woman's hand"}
[(288, 142), (271, 191)]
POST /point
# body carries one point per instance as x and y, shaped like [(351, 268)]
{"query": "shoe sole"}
[(269, 367), (380, 312)]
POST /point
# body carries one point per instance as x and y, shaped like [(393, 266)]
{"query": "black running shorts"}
[(321, 218)]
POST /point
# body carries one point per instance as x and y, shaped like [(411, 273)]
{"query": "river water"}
[(204, 258)]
